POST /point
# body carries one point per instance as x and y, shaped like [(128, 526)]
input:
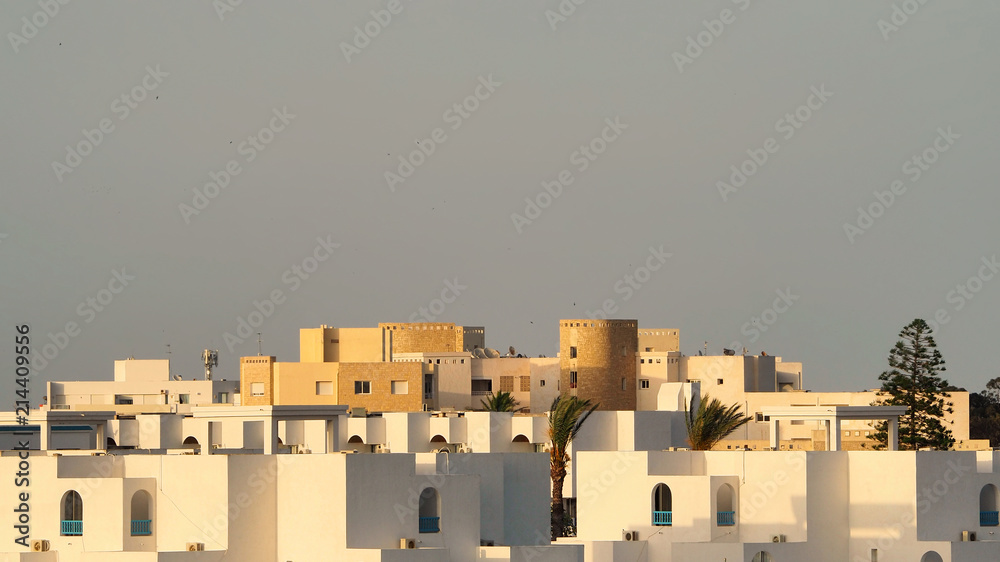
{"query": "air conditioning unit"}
[(407, 544), (968, 536), (381, 448), (777, 538), (194, 546), (463, 448), (630, 536), (39, 545)]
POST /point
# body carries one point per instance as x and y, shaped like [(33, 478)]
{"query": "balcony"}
[(429, 525), (989, 518), (142, 527), (71, 528), (726, 518), (663, 518)]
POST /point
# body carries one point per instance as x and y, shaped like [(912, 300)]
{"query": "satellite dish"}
[(511, 351), (492, 353), (176, 377), (727, 351), (479, 353)]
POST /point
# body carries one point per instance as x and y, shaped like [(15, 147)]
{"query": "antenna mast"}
[(211, 359)]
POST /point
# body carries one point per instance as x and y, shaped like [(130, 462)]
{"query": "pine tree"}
[(913, 381)]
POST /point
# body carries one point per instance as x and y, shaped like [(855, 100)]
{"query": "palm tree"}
[(566, 416), (501, 402), (711, 423)]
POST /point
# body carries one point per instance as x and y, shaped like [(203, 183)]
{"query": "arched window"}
[(931, 556), (142, 521), (663, 501), (989, 498), (72, 515), (430, 511), (726, 515), (356, 440), (191, 441), (109, 443), (763, 556)]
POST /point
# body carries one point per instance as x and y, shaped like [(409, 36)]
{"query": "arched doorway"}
[(663, 512)]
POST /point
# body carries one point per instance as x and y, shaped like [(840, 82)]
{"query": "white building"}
[(859, 506)]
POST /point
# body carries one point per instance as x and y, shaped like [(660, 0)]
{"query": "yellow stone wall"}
[(605, 357), (424, 337), (381, 375), (256, 369)]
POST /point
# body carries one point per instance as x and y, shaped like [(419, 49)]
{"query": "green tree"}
[(711, 422), (501, 402), (566, 417), (913, 381), (984, 413)]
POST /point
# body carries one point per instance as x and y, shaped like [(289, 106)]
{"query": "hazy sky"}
[(642, 108)]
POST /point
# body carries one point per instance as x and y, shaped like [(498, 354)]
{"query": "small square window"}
[(183, 398), (718, 381), (658, 360), (400, 387), (362, 387), (257, 389), (324, 388), (541, 382), (643, 383)]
